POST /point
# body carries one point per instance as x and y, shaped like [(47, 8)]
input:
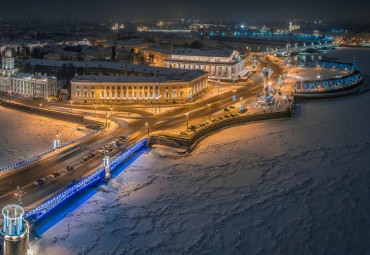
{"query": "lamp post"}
[(147, 126), (71, 102), (111, 112), (209, 111), (95, 106), (234, 99), (187, 121), (106, 119)]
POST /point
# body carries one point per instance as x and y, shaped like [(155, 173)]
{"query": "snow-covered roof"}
[(203, 53), (171, 73), (28, 76), (118, 79)]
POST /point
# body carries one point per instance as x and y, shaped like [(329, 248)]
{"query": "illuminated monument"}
[(14, 234), (266, 96)]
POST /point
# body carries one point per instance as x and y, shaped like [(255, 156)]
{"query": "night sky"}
[(205, 9)]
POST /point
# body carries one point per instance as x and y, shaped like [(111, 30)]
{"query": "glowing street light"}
[(147, 126), (187, 121), (209, 111)]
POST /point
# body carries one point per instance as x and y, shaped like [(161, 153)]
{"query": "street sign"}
[(234, 98)]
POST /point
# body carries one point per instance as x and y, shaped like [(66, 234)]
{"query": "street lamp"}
[(106, 119), (187, 121), (209, 111), (147, 125), (95, 106), (71, 102), (234, 99), (111, 112)]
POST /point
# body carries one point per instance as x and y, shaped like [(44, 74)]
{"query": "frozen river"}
[(297, 186)]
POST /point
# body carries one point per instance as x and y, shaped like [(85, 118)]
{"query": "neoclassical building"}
[(179, 86), (29, 85), (220, 64)]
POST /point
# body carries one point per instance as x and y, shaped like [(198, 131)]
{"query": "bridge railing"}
[(98, 175), (29, 160)]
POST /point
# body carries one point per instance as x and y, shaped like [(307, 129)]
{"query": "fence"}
[(41, 210), (45, 153)]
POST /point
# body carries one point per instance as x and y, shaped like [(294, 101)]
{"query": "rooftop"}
[(169, 73), (203, 53), (28, 76)]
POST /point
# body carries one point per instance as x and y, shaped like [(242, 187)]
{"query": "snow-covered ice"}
[(297, 186), (25, 135)]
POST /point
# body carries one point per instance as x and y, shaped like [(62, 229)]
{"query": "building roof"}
[(118, 79), (28, 76), (203, 53), (170, 73)]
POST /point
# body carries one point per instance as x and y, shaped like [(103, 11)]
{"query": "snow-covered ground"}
[(26, 135), (298, 186)]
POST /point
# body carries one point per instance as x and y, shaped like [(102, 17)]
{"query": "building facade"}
[(137, 89), (220, 64), (24, 84)]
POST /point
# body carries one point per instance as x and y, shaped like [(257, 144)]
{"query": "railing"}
[(45, 153), (328, 84), (47, 206)]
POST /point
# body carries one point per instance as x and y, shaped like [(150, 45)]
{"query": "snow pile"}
[(26, 135), (298, 186)]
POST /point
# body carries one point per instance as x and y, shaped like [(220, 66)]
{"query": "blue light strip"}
[(47, 206), (45, 153)]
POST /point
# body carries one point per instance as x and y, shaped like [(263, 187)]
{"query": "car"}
[(69, 168), (84, 159), (39, 182), (232, 115), (213, 120), (116, 140), (110, 149), (193, 127), (183, 133), (220, 118), (243, 111), (101, 149), (122, 137), (226, 110), (202, 124), (118, 144), (101, 154), (227, 116), (91, 155), (108, 145), (54, 175), (232, 107)]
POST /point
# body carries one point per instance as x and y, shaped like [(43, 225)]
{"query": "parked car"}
[(69, 168), (243, 111), (91, 155), (122, 138), (226, 110), (101, 154), (193, 127), (101, 149), (227, 116), (232, 107), (232, 115), (220, 118), (213, 120), (39, 182), (183, 133), (54, 175)]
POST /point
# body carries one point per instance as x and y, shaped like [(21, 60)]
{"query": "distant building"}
[(29, 85), (155, 56), (170, 85), (316, 33), (220, 64)]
